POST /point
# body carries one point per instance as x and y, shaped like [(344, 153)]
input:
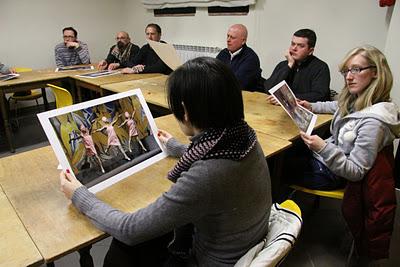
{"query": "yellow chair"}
[(336, 194), (291, 205), (27, 95), (63, 96)]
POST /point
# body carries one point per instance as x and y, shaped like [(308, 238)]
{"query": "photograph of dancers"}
[(101, 141)]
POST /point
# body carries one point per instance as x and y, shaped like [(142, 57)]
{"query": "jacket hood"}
[(386, 112)]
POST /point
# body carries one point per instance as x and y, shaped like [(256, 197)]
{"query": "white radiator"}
[(188, 52)]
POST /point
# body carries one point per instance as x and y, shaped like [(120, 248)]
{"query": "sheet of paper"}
[(105, 140), (74, 68), (167, 53), (6, 77), (98, 74), (303, 118)]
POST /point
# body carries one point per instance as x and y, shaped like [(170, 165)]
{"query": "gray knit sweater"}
[(71, 56), (227, 201), (4, 69)]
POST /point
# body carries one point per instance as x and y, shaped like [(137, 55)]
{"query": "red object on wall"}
[(383, 3)]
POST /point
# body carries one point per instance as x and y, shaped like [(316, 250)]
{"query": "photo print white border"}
[(45, 117), (304, 121)]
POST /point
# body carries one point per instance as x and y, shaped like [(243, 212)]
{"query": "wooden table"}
[(97, 83), (30, 181), (272, 119), (263, 117), (153, 89), (26, 81), (271, 145), (16, 246)]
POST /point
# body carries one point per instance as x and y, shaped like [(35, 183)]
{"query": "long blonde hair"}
[(379, 88)]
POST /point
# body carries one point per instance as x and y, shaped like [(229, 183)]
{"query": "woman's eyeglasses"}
[(355, 70)]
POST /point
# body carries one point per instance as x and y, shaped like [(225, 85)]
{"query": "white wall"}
[(392, 52), (30, 29), (340, 25)]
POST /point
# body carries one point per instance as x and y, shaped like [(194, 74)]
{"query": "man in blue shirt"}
[(243, 61)]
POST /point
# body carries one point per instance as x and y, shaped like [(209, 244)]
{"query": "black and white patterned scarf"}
[(124, 56), (230, 143)]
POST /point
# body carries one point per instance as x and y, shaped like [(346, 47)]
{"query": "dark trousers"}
[(150, 253), (303, 169)]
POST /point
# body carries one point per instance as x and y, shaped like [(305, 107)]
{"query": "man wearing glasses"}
[(120, 54), (307, 75), (71, 51)]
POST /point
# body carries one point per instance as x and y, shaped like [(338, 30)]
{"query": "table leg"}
[(45, 102), (79, 93), (4, 113), (86, 259), (276, 176)]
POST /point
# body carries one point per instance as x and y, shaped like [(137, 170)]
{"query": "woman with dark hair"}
[(221, 191)]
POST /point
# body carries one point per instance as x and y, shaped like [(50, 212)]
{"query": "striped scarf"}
[(229, 143), (124, 56)]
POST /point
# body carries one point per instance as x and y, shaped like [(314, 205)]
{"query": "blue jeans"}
[(311, 173)]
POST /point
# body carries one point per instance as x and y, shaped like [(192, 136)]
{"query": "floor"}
[(324, 240)]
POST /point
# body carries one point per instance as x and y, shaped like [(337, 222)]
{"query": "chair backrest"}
[(63, 96), (397, 167), (22, 69), (284, 226)]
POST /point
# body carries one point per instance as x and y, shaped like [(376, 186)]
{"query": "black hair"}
[(155, 26), (70, 29), (309, 34), (209, 91)]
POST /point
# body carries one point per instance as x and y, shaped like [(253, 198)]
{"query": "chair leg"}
[(351, 252), (37, 105), (291, 195), (317, 200)]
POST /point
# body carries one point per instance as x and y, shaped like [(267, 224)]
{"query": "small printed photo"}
[(303, 118), (74, 68), (98, 74), (7, 77), (102, 141)]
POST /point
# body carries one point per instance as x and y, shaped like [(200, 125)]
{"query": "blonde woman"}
[(364, 125)]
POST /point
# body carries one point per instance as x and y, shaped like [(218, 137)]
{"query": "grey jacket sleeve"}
[(329, 107), (369, 141), (174, 148), (83, 53), (177, 207)]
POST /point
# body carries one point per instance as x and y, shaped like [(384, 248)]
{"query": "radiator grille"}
[(188, 52)]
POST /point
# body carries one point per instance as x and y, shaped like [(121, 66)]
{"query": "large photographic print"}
[(303, 118), (105, 140)]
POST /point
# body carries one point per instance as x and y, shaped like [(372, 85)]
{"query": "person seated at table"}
[(243, 61), (306, 75), (5, 69), (71, 51), (221, 183), (365, 123), (120, 54), (147, 60)]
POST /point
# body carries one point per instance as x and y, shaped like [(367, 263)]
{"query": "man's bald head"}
[(236, 37), (123, 37)]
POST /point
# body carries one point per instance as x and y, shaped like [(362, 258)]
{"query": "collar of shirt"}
[(235, 53)]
